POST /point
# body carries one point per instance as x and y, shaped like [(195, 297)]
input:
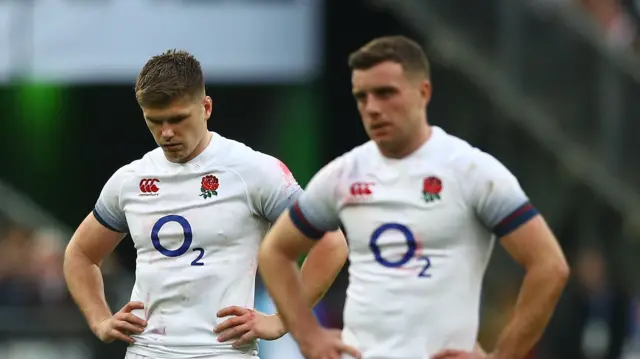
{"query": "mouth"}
[(172, 147), (379, 126)]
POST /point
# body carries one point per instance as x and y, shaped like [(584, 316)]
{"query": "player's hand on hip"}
[(326, 344), (122, 324), (247, 325), (458, 354)]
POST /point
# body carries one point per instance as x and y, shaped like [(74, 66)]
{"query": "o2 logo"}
[(186, 243), (410, 253)]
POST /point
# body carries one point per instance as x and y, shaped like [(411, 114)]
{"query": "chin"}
[(388, 145), (174, 157), (384, 140)]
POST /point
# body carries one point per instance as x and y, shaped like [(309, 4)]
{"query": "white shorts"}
[(225, 356)]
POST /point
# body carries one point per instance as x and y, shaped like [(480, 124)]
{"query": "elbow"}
[(69, 253), (562, 271), (556, 271), (70, 259), (559, 274), (330, 252), (75, 260), (336, 246)]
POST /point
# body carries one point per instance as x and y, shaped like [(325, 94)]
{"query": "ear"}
[(207, 103), (426, 90)]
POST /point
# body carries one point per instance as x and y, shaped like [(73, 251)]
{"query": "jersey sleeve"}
[(316, 211), (277, 188), (497, 198), (108, 210)]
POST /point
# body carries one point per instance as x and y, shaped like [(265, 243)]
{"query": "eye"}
[(176, 120), (385, 92)]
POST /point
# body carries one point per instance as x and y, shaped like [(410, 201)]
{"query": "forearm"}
[(86, 286), (282, 278), (322, 265), (539, 294)]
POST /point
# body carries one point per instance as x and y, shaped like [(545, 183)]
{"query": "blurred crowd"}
[(31, 267), (598, 316), (31, 272), (34, 298), (619, 20)]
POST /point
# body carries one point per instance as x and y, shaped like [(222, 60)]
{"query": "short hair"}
[(173, 75), (398, 49)]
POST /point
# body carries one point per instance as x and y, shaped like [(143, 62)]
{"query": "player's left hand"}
[(248, 325), (458, 354)]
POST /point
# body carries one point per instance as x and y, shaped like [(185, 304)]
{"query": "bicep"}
[(533, 243), (93, 240)]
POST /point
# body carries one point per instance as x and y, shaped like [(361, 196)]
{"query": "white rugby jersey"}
[(420, 233), (197, 228)]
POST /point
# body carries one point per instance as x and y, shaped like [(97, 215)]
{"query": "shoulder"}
[(259, 172), (348, 165), (244, 160), (355, 160), (464, 158)]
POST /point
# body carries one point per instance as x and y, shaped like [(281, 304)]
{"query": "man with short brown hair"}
[(422, 209), (196, 208)]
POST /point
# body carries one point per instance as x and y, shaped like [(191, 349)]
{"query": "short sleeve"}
[(108, 210), (276, 188), (316, 211), (497, 197)]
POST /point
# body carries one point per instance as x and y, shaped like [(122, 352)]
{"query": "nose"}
[(372, 106), (167, 131)]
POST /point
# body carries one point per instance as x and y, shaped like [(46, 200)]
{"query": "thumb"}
[(350, 350), (447, 354)]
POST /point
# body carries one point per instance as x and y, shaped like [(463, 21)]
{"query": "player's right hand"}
[(122, 324), (326, 344)]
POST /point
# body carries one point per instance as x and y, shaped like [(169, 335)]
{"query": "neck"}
[(413, 143), (204, 142)]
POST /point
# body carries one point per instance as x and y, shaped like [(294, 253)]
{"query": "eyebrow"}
[(173, 118), (376, 89)]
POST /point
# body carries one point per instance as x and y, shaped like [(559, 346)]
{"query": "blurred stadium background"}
[(550, 87)]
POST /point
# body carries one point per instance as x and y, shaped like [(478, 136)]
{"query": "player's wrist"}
[(282, 328), (497, 354), (306, 331), (96, 322)]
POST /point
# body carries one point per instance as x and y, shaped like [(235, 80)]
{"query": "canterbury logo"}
[(361, 189), (148, 185)]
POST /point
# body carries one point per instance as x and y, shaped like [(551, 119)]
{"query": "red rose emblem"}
[(432, 185), (210, 183)]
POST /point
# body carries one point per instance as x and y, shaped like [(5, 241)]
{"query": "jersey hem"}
[(104, 223), (516, 219), (303, 224)]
